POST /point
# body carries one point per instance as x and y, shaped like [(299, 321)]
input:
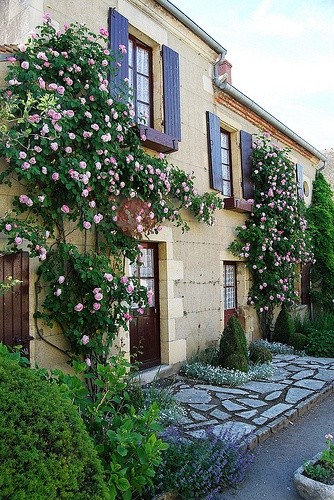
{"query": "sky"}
[(282, 56)]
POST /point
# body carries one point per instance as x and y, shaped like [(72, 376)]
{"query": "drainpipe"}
[(243, 99)]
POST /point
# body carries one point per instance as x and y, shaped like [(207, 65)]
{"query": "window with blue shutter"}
[(219, 143), (162, 141), (118, 36), (246, 142), (171, 83), (213, 126)]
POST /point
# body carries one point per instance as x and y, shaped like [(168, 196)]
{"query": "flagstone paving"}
[(257, 408)]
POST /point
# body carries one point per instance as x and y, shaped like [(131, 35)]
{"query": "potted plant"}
[(315, 479)]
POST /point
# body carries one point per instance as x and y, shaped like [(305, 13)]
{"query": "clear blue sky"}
[(282, 53)]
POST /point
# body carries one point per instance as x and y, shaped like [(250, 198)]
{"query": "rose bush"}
[(274, 242), (73, 150)]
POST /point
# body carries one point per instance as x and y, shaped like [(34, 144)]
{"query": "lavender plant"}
[(199, 468)]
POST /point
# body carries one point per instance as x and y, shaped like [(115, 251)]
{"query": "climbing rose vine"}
[(80, 174), (274, 242)]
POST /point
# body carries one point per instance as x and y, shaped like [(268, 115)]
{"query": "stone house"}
[(205, 125)]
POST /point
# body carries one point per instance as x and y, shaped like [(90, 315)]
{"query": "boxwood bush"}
[(45, 451)]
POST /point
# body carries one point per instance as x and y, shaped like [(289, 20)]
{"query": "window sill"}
[(158, 141), (238, 205)]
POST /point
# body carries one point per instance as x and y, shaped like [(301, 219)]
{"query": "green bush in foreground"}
[(45, 451)]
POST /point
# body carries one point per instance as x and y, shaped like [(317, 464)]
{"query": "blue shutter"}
[(118, 35), (171, 83), (246, 142), (300, 181), (214, 146)]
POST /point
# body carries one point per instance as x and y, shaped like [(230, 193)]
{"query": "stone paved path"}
[(258, 408)]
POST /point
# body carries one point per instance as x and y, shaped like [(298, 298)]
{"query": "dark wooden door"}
[(145, 328), (230, 291), (14, 305)]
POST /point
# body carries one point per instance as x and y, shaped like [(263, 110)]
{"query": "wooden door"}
[(230, 291), (145, 328), (14, 305)]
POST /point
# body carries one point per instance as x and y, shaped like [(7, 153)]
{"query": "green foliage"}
[(323, 469), (208, 356), (233, 352), (298, 341), (6, 285), (320, 343), (273, 241), (284, 326), (125, 434), (74, 151), (320, 216), (319, 332), (259, 354), (45, 451)]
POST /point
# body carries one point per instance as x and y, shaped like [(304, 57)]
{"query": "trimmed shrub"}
[(233, 352), (259, 354), (283, 327), (45, 450), (298, 341)]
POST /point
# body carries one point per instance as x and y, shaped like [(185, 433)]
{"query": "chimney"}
[(224, 68)]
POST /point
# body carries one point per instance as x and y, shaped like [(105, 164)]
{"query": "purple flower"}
[(79, 307)]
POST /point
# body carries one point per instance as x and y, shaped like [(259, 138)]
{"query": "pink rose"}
[(84, 339), (96, 306), (55, 176), (79, 307), (65, 209), (86, 224)]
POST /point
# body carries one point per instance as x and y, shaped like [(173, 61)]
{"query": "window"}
[(140, 79), (230, 290), (136, 66), (221, 162), (225, 153)]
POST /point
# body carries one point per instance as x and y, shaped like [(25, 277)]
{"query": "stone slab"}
[(231, 406), (323, 374), (247, 414), (303, 374), (233, 430), (192, 396), (202, 406), (275, 410), (263, 387), (260, 420), (273, 395), (197, 416), (253, 403), (310, 384), (295, 394), (221, 415)]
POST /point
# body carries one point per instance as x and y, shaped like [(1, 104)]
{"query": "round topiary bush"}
[(283, 326), (45, 450), (233, 352), (259, 354)]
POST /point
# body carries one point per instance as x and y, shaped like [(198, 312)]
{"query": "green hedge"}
[(45, 450)]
